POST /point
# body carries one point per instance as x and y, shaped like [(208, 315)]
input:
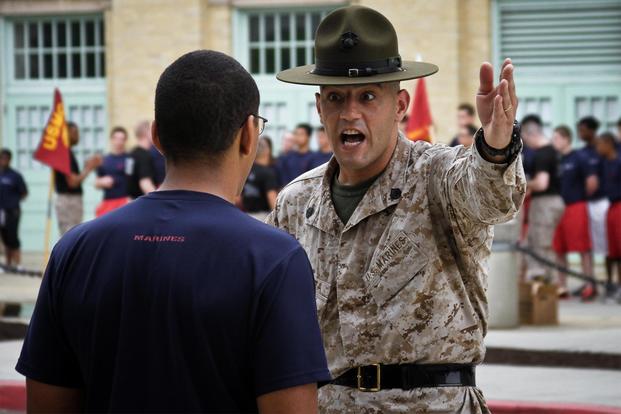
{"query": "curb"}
[(515, 407)]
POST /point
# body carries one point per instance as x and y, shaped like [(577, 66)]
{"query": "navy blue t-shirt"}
[(319, 158), (612, 179), (596, 164), (528, 160), (115, 166), (292, 165), (574, 169), (12, 188), (175, 302)]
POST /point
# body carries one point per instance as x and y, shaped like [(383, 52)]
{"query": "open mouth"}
[(352, 138)]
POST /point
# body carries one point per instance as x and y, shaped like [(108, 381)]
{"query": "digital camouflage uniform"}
[(404, 280)]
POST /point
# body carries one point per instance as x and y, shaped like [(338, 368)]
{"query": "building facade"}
[(106, 56)]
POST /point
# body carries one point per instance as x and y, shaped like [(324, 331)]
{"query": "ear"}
[(155, 138), (248, 138), (317, 100), (403, 101)]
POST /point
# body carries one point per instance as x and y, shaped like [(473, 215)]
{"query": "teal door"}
[(41, 54)]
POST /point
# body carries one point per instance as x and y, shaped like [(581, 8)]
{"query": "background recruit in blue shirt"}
[(612, 179), (114, 166), (574, 170), (12, 188), (222, 312)]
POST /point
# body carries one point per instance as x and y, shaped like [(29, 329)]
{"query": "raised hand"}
[(497, 105)]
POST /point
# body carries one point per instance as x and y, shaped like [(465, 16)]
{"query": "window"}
[(281, 40), (58, 48), (604, 108)]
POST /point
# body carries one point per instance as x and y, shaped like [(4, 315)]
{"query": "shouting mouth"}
[(352, 138)]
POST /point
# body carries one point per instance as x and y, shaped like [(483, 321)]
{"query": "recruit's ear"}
[(317, 100), (249, 137), (155, 138)]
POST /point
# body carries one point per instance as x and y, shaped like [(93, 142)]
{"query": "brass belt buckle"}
[(378, 385)]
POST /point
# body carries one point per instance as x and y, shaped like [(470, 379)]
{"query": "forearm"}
[(146, 185)]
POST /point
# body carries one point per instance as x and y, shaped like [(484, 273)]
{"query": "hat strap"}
[(377, 67)]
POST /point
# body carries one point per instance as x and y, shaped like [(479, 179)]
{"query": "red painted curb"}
[(13, 395), (515, 407)]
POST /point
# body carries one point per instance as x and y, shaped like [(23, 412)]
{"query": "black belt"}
[(378, 377)]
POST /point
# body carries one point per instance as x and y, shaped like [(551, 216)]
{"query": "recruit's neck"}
[(205, 180)]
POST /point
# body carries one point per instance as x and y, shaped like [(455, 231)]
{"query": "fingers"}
[(503, 90), (501, 73), (486, 78), (499, 114)]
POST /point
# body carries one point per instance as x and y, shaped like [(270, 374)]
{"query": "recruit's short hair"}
[(202, 99), (469, 109), (608, 137), (589, 122), (118, 129), (7, 153), (71, 124), (619, 123), (564, 131), (532, 119), (306, 127)]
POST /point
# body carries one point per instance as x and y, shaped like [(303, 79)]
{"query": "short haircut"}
[(619, 123), (321, 129), (142, 128), (469, 109), (532, 118), (609, 138), (590, 122), (306, 127), (202, 99), (71, 124), (7, 153), (118, 129), (564, 131)]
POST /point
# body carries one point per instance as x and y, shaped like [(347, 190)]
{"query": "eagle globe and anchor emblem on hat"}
[(356, 45)]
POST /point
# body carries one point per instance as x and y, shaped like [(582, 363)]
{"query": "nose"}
[(351, 111)]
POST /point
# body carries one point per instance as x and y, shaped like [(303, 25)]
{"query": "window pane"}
[(254, 61), (19, 35), (254, 28), (75, 33), (285, 58), (20, 66), (76, 65), (61, 62), (301, 56), (300, 27), (90, 33), (34, 66), (269, 28), (270, 60), (61, 33), (102, 38), (48, 68), (33, 32), (47, 34), (102, 65), (90, 65), (285, 29), (315, 19)]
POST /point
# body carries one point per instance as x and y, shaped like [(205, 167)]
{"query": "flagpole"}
[(48, 223)]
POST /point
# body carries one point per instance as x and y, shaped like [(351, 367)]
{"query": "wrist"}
[(504, 155)]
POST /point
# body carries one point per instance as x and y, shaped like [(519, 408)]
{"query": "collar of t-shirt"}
[(347, 197)]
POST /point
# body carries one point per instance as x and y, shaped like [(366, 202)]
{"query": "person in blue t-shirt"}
[(572, 233), (179, 301), (324, 153), (296, 162), (12, 191), (111, 175), (608, 148)]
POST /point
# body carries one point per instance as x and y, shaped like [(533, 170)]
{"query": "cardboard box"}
[(538, 303)]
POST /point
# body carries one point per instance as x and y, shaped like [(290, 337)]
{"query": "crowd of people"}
[(121, 175), (574, 201)]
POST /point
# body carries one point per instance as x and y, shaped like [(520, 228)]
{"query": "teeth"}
[(351, 132)]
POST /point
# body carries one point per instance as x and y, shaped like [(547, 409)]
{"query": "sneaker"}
[(588, 293), (563, 293), (578, 292)]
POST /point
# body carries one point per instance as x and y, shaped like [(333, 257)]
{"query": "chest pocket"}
[(393, 266)]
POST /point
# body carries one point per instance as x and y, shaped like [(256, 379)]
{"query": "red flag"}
[(54, 146), (419, 122)]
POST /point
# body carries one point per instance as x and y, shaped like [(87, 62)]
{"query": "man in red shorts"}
[(611, 184), (572, 233)]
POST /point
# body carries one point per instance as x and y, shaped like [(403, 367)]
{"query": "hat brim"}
[(302, 75)]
